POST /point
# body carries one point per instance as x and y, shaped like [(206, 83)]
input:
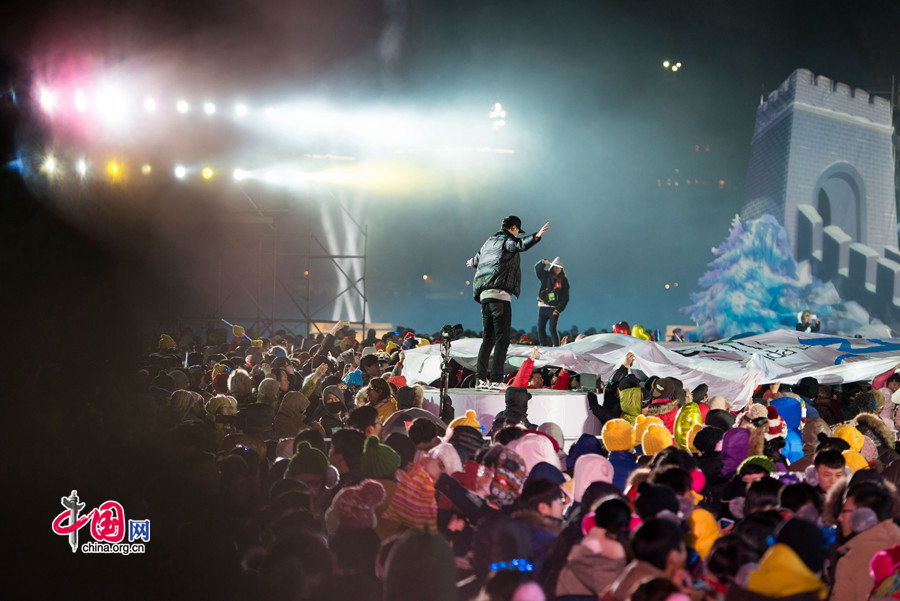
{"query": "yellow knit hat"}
[(469, 419), (617, 435), (690, 437), (855, 461), (656, 438), (390, 346), (166, 342), (238, 331), (641, 423), (851, 435), (217, 369)]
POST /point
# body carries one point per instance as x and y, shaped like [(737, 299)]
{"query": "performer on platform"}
[(552, 299), (498, 278), (807, 322)]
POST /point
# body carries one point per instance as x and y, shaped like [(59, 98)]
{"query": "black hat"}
[(807, 387), (805, 539), (653, 498), (707, 438), (719, 418), (510, 221)]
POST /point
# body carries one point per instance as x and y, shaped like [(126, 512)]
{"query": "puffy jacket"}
[(497, 263), (557, 286)]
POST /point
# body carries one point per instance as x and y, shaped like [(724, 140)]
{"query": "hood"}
[(662, 406), (810, 434), (790, 410), (538, 520), (782, 573), (872, 426), (517, 400), (631, 400), (735, 443)]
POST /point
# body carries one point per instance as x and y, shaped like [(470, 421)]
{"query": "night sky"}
[(599, 127)]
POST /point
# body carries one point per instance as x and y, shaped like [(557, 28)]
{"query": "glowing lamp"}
[(47, 99), (49, 165), (81, 101), (81, 167), (240, 110), (240, 174), (207, 173), (150, 105), (113, 169), (182, 106), (180, 171), (209, 108), (146, 169)]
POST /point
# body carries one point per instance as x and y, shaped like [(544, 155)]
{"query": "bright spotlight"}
[(81, 167), (146, 169), (209, 108), (81, 101), (674, 68), (270, 112), (240, 174), (240, 110), (425, 277), (207, 173), (666, 64), (182, 106), (112, 104), (180, 171), (49, 165), (47, 99), (270, 177), (150, 105), (113, 169), (678, 65)]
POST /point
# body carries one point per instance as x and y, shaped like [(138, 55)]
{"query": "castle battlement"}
[(820, 92)]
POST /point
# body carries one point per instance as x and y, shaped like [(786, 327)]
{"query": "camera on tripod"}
[(449, 332)]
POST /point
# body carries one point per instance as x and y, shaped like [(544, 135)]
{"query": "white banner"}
[(731, 368)]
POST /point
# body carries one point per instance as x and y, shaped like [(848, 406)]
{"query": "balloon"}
[(622, 328), (688, 416), (638, 331)]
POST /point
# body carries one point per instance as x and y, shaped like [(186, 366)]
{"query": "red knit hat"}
[(413, 503), (220, 383), (777, 427), (354, 506)]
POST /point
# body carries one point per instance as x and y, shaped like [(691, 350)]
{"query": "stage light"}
[(240, 174), (81, 167), (209, 108), (666, 64), (207, 173), (112, 104), (150, 105), (425, 277), (674, 68), (667, 286), (49, 165), (270, 177), (47, 99), (182, 106), (180, 171), (240, 110), (81, 101), (146, 169), (113, 169), (678, 65)]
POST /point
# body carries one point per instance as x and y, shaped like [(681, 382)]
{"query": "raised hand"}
[(544, 229)]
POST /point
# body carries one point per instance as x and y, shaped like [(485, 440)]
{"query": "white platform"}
[(568, 409)]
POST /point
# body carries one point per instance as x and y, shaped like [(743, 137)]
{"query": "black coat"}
[(497, 263), (560, 295)]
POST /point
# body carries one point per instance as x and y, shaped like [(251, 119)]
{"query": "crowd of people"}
[(313, 469)]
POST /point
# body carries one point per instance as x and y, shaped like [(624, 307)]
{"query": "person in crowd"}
[(553, 297), (527, 377), (497, 279), (807, 321)]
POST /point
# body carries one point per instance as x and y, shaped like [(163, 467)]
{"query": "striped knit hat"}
[(413, 503), (509, 477)]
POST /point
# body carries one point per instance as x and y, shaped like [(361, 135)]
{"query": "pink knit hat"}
[(533, 448), (589, 469), (354, 506)]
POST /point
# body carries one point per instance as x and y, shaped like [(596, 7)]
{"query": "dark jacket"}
[(497, 263), (558, 287)]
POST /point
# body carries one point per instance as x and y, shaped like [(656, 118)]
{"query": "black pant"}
[(496, 317), (548, 315)]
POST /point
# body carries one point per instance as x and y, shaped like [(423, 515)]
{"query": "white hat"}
[(556, 263)]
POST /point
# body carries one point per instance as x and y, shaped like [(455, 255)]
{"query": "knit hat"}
[(588, 469), (553, 430), (699, 392), (406, 398), (851, 435), (545, 471), (707, 438), (653, 499), (213, 405), (759, 461), (354, 506), (777, 426), (719, 402), (509, 477), (166, 342), (655, 439), (534, 448), (467, 441), (469, 419), (413, 502), (719, 418), (378, 460), (447, 455), (354, 378), (807, 387), (664, 388), (617, 435), (586, 444), (757, 411), (855, 460), (691, 437), (641, 423), (308, 460)]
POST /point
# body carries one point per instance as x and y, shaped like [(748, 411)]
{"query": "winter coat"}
[(790, 410), (497, 263), (554, 290), (587, 572), (516, 407), (852, 579), (542, 531), (623, 463), (631, 400), (666, 410), (635, 573), (781, 572), (527, 368)]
